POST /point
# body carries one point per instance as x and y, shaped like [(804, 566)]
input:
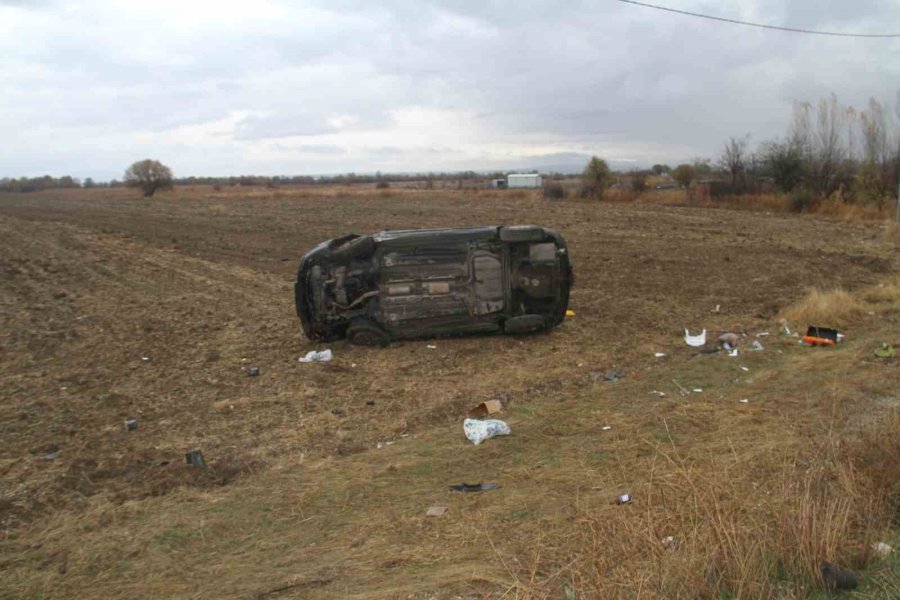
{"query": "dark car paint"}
[(385, 283)]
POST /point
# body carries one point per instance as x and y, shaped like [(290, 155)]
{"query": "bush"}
[(382, 185), (801, 200), (554, 191), (639, 182), (596, 178)]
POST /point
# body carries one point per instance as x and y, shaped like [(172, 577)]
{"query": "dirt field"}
[(319, 475)]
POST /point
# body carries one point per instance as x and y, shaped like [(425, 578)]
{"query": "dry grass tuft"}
[(835, 308), (850, 212)]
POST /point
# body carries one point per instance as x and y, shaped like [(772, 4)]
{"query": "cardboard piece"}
[(435, 511), (485, 408)]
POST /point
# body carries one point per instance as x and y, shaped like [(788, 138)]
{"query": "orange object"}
[(817, 341)]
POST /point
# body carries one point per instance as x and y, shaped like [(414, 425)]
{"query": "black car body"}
[(433, 282)]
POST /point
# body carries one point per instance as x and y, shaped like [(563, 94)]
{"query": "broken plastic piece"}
[(659, 354), (623, 499), (313, 356), (253, 372), (479, 430), (658, 393), (606, 427), (51, 455), (733, 352), (756, 346), (885, 351), (131, 424), (612, 376), (744, 400), (474, 487), (570, 313), (695, 340)]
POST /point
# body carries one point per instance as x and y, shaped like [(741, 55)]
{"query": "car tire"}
[(360, 247), (522, 233), (524, 324), (367, 333)]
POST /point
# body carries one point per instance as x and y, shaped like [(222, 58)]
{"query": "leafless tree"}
[(734, 160)]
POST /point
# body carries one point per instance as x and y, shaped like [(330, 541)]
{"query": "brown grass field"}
[(310, 491)]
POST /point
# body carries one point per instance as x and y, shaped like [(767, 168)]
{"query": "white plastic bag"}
[(478, 430), (313, 356)]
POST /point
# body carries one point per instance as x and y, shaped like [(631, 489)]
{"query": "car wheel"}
[(522, 233), (367, 333), (524, 324)]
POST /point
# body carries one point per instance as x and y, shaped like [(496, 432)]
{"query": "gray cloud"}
[(206, 87)]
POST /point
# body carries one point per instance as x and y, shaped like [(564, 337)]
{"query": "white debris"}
[(431, 347), (734, 352), (478, 430), (313, 356), (658, 393), (762, 334), (695, 340), (659, 354), (607, 427), (743, 368), (697, 390), (756, 346), (744, 400), (882, 549)]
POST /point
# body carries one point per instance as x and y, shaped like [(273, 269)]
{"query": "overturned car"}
[(371, 289)]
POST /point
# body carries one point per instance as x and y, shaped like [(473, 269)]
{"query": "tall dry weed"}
[(835, 308)]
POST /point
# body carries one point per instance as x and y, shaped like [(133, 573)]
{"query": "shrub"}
[(596, 178), (801, 200), (382, 185), (554, 191)]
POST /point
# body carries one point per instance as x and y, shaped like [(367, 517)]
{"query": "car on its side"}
[(371, 289)]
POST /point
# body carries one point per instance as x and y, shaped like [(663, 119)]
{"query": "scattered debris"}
[(668, 542), (606, 427), (131, 424), (718, 306), (659, 354), (474, 487), (756, 346), (834, 578), (695, 340), (195, 458), (744, 401), (697, 390), (370, 403), (821, 336), (51, 455), (570, 313), (381, 445), (338, 412), (613, 375), (623, 499), (435, 511), (885, 351), (786, 331), (658, 393), (145, 358), (486, 408), (729, 340), (762, 334), (431, 347), (253, 372), (734, 352), (313, 356), (882, 549), (681, 390), (477, 430), (743, 368)]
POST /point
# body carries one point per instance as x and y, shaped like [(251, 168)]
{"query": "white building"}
[(524, 180)]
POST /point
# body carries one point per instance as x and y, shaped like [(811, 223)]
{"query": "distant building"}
[(524, 180), (499, 184)]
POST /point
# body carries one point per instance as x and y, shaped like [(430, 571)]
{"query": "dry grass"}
[(852, 212), (835, 308)]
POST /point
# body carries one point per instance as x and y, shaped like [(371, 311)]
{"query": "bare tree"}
[(734, 160)]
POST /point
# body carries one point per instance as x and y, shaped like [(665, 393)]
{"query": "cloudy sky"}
[(219, 87)]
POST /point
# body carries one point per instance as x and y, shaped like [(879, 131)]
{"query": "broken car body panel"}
[(434, 282)]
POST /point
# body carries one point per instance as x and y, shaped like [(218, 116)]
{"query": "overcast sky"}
[(219, 87)]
